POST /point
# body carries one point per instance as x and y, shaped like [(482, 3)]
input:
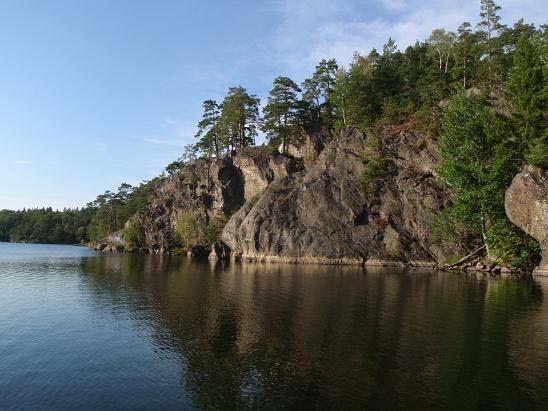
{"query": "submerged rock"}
[(526, 204)]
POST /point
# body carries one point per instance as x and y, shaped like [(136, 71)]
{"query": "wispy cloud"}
[(314, 29), (19, 162), (163, 142)]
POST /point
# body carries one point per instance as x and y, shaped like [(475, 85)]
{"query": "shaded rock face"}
[(323, 213), (526, 204), (308, 147), (209, 191), (260, 166)]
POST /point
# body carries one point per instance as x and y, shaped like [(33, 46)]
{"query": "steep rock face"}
[(526, 205), (323, 213), (308, 146), (260, 166), (208, 191)]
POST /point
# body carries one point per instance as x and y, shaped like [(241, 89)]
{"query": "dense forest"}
[(107, 214), (479, 93)]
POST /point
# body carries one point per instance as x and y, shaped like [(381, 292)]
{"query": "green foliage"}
[(283, 113), (239, 120), (108, 213), (374, 165), (112, 210), (479, 160), (133, 236), (466, 54), (175, 167), (214, 229), (353, 93), (46, 226), (187, 229), (538, 154), (526, 89), (209, 132), (189, 155), (319, 86), (452, 260), (512, 246), (490, 44), (444, 229)]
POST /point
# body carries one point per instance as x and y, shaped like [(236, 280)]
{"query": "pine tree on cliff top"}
[(281, 113)]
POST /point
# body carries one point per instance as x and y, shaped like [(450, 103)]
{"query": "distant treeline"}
[(108, 213), (45, 225)]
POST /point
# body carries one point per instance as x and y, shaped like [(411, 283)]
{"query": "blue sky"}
[(96, 92)]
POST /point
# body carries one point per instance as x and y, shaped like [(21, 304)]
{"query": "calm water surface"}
[(78, 330)]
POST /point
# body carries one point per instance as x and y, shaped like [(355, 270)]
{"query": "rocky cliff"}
[(324, 214), (210, 191), (311, 206), (526, 205)]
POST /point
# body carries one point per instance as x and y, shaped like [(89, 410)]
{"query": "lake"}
[(80, 330)]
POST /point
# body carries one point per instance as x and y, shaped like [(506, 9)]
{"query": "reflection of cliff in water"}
[(290, 336)]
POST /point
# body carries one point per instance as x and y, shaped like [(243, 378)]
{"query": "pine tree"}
[(464, 53), (320, 85), (281, 113), (488, 29), (240, 118), (526, 93), (208, 135), (490, 23), (312, 94), (387, 78)]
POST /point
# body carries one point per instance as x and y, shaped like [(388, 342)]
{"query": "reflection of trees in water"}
[(295, 336), (528, 345)]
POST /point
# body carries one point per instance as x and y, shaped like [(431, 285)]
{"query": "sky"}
[(94, 93)]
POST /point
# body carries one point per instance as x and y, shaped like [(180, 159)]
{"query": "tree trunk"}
[(464, 70), (484, 236), (440, 58)]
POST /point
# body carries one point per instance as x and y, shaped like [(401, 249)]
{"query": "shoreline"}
[(351, 261)]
